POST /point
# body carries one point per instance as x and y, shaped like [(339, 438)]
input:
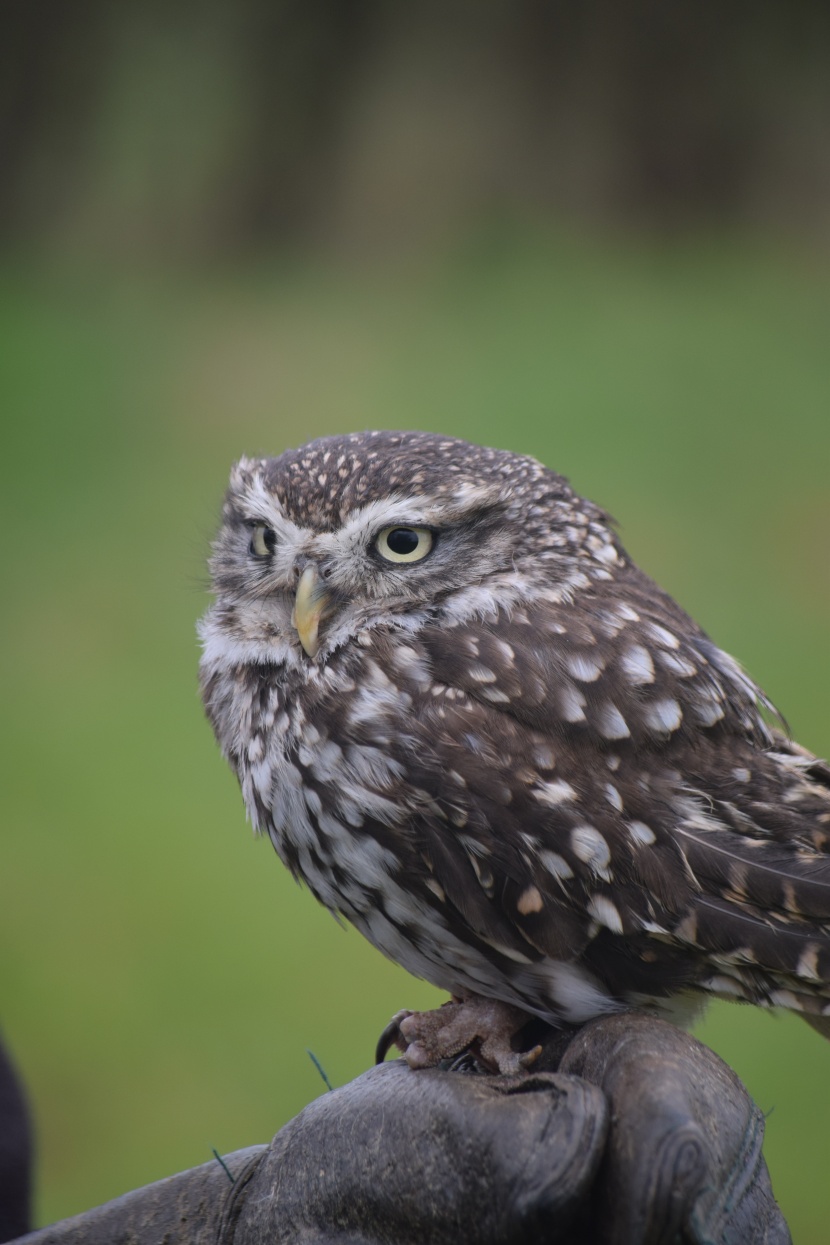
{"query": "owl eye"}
[(404, 544), (263, 540)]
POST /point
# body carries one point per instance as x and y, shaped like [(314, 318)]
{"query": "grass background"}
[(161, 974)]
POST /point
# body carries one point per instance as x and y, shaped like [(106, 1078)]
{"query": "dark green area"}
[(162, 976)]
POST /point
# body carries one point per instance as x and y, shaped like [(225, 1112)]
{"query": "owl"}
[(478, 732)]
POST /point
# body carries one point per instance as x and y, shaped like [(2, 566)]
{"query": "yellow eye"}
[(404, 544), (263, 540)]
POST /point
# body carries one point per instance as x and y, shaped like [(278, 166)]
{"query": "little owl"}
[(476, 730)]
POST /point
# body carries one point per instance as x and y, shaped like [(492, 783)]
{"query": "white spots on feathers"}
[(740, 956), (589, 846), (637, 665), (543, 757), (571, 703), (556, 865), (641, 834), (662, 636), (653, 927), (731, 987), (606, 553), (603, 910), (807, 967), (482, 674), (584, 667), (495, 695), (530, 901), (609, 622), (663, 716), (610, 722), (786, 998), (708, 711), (677, 664), (613, 797), (504, 649), (484, 874), (412, 664), (554, 793)]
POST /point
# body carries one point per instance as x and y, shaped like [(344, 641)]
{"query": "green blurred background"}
[(592, 232)]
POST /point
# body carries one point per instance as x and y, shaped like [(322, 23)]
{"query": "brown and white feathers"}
[(476, 730)]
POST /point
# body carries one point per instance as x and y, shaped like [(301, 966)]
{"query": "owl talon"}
[(391, 1036), (528, 1059), (485, 1027)]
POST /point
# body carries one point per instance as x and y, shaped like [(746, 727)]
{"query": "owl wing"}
[(603, 770)]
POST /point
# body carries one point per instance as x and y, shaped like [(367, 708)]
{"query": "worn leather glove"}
[(638, 1136)]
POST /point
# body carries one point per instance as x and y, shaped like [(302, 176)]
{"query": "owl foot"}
[(484, 1027)]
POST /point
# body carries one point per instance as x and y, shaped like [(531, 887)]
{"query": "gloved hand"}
[(641, 1136), (683, 1156)]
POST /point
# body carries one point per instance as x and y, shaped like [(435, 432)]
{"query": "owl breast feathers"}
[(476, 730)]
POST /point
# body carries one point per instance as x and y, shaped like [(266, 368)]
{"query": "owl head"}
[(380, 528)]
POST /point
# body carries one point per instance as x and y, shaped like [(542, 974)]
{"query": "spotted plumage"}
[(475, 729)]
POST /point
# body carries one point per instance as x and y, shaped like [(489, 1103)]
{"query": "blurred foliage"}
[(208, 128), (162, 976)]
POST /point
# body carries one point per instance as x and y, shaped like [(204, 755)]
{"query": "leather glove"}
[(625, 1132)]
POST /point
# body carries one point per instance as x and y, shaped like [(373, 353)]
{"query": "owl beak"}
[(311, 602)]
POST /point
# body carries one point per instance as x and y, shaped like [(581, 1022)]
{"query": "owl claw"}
[(485, 1027), (528, 1059), (391, 1036)]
